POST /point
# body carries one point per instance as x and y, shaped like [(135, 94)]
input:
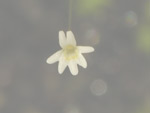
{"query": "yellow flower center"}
[(70, 52)]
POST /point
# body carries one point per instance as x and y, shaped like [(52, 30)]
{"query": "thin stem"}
[(70, 14)]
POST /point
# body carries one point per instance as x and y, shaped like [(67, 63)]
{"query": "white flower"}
[(70, 55)]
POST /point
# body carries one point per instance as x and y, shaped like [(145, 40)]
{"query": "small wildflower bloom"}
[(70, 55)]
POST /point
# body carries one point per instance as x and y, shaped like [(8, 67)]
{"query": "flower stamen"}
[(70, 52)]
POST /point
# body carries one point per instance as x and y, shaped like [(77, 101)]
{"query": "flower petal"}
[(81, 61), (54, 58), (62, 39), (85, 49), (62, 65), (73, 67), (70, 38)]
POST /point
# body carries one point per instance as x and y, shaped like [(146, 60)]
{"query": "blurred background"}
[(117, 79)]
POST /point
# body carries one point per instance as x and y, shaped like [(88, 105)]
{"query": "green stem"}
[(70, 14)]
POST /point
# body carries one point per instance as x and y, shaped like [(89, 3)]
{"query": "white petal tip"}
[(86, 49), (85, 67), (73, 68), (93, 49), (48, 61), (60, 72), (61, 31), (75, 74), (54, 58), (69, 31), (71, 38), (62, 39)]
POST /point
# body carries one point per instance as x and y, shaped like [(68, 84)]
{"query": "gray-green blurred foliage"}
[(147, 10), (145, 108), (91, 6), (143, 39)]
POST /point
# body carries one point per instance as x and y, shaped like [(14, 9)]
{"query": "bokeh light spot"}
[(98, 87), (71, 109), (131, 19), (92, 37)]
